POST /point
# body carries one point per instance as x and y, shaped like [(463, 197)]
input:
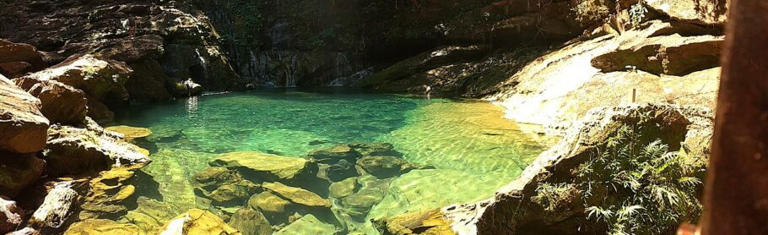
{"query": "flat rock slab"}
[(22, 126), (130, 132), (297, 195), (266, 167)]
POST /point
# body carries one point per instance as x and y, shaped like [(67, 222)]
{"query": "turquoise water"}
[(465, 149)]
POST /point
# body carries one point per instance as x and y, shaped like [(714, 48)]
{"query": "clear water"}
[(472, 149)]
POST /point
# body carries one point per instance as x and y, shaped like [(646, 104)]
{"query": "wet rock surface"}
[(197, 221)]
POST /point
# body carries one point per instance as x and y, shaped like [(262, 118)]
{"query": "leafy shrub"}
[(632, 186)]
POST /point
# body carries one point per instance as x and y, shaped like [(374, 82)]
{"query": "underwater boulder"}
[(424, 222), (384, 166), (337, 171), (370, 193), (233, 193), (250, 222), (343, 188), (334, 154), (269, 203)]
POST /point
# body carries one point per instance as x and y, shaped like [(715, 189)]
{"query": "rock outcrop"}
[(22, 126), (560, 87), (57, 207), (61, 103), (519, 207), (704, 12), (162, 43)]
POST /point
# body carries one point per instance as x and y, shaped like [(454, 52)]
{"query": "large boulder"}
[(61, 103), (103, 80), (562, 86), (73, 150), (266, 167), (552, 194), (18, 172), (10, 215), (22, 126), (196, 221)]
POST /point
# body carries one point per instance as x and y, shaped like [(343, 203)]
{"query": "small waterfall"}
[(203, 63)]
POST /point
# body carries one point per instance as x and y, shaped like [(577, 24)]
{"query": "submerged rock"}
[(266, 167), (250, 222), (10, 215), (268, 202), (370, 193), (308, 224), (22, 126), (223, 186), (384, 166), (196, 221), (428, 222), (61, 103), (297, 195), (102, 226), (150, 214), (109, 194), (130, 133), (343, 188), (18, 172), (73, 150)]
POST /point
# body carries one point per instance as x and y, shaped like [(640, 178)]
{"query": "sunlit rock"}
[(22, 126), (73, 150), (57, 207), (130, 132), (10, 215), (61, 103), (196, 221), (109, 194), (102, 226), (426, 222)]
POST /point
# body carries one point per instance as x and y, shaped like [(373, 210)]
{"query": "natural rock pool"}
[(277, 153)]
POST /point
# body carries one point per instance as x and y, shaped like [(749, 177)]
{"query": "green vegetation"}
[(632, 186)]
